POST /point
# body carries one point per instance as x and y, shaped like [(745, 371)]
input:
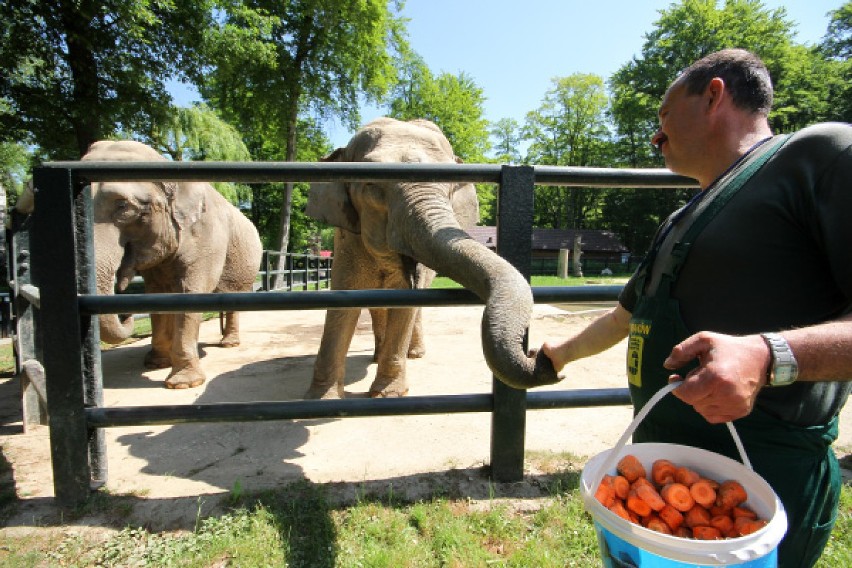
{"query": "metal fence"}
[(301, 271), (65, 299)]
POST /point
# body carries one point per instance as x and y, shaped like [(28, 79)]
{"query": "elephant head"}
[(423, 222), (136, 225)]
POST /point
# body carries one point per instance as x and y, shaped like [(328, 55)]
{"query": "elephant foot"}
[(325, 392), (185, 379), (154, 360), (229, 341), (416, 352), (388, 388)]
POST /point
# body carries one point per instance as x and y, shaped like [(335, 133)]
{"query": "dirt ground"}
[(175, 473)]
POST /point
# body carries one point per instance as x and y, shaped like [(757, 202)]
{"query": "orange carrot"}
[(683, 532), (686, 476), (650, 495), (677, 495), (730, 494), (716, 510), (662, 472), (618, 509), (621, 486), (637, 504), (703, 494), (744, 525), (605, 493), (671, 516), (655, 523), (711, 482), (743, 511), (697, 516), (724, 523), (630, 467), (703, 532)]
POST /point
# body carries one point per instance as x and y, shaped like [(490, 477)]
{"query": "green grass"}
[(298, 526)]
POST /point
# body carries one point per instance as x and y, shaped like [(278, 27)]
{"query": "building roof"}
[(592, 240)]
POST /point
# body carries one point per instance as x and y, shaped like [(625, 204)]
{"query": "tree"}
[(685, 32), (453, 102), (197, 133), (274, 61), (837, 47), (72, 71), (568, 129), (506, 133)]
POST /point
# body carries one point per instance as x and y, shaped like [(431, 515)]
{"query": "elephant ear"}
[(187, 202), (465, 203), (329, 201)]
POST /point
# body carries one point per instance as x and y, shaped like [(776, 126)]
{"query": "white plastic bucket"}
[(623, 543)]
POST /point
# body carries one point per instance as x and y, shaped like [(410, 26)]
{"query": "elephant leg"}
[(379, 317), (159, 357), (417, 346), (390, 378), (231, 332), (330, 366), (186, 367)]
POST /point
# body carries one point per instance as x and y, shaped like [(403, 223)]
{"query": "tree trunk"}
[(287, 203)]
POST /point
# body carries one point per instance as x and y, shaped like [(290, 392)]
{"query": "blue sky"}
[(513, 49)]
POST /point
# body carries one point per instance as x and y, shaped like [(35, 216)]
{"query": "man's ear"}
[(715, 92)]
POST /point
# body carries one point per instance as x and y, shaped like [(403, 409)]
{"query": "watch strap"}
[(783, 367)]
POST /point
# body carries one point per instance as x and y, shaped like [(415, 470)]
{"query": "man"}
[(746, 293)]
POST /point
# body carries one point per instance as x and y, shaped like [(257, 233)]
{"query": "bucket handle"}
[(640, 416)]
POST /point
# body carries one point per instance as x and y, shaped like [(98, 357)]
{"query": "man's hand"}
[(731, 371)]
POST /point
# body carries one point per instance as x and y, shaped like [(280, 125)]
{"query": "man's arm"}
[(732, 370), (598, 336)]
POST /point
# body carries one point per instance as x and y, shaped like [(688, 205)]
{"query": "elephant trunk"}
[(441, 244), (114, 328)]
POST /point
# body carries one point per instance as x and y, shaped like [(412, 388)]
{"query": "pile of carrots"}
[(676, 500)]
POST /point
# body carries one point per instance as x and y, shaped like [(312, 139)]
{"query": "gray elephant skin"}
[(180, 238), (391, 235)]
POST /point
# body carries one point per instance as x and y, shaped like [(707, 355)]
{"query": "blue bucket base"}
[(618, 553)]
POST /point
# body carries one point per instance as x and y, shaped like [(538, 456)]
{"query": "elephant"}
[(388, 234), (180, 238)]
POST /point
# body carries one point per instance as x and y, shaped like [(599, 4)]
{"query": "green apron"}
[(796, 461)]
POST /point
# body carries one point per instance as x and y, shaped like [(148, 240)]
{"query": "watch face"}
[(783, 375)]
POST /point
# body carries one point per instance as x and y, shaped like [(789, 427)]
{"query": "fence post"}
[(54, 261), (514, 240)]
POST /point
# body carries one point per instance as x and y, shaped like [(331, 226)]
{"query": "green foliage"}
[(453, 102), (507, 136), (14, 165), (72, 72)]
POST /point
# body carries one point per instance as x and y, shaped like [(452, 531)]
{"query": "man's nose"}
[(657, 139)]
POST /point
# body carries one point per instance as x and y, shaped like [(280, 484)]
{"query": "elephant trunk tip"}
[(115, 329), (534, 371)]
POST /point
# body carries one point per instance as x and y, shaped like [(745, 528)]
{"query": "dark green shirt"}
[(778, 256)]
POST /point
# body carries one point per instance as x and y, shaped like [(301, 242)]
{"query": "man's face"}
[(681, 129)]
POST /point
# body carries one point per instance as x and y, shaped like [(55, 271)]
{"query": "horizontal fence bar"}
[(325, 299), (107, 417), (256, 172)]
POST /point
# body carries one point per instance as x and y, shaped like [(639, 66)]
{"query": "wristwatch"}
[(783, 368)]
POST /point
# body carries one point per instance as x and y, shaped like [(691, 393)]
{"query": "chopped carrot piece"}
[(703, 494), (743, 511), (618, 509), (724, 523), (621, 486), (637, 504), (703, 532), (716, 510), (677, 495), (662, 472), (605, 492), (671, 516), (630, 467), (683, 532), (697, 516), (650, 495), (711, 482), (730, 494), (655, 523), (686, 476), (744, 525)]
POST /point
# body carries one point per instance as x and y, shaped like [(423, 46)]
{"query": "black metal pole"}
[(54, 256), (514, 237)]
